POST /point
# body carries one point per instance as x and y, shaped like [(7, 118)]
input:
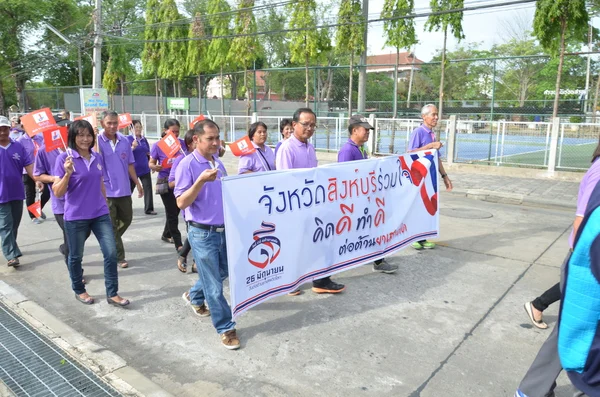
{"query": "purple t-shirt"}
[(44, 165), (277, 147), (587, 185), (116, 162), (12, 160), (208, 206), (31, 144), (295, 154), (420, 137), (259, 161), (160, 156), (350, 152), (173, 168), (140, 155), (84, 199)]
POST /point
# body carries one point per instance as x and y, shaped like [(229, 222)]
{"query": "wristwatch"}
[(443, 175)]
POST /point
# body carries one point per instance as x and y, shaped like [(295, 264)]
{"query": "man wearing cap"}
[(13, 158), (423, 138), (297, 152), (118, 160), (354, 149)]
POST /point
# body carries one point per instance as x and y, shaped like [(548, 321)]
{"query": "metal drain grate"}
[(32, 365)]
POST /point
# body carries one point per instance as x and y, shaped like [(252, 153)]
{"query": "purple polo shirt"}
[(30, 143), (350, 152), (84, 199), (160, 156), (420, 137), (116, 164), (173, 169), (277, 147), (208, 206), (259, 161), (295, 154), (140, 155), (588, 182), (44, 165), (13, 159)]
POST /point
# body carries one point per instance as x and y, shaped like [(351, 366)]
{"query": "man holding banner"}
[(13, 158), (297, 152), (117, 158), (353, 150), (199, 193)]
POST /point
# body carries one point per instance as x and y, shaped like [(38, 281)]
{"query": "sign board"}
[(178, 103), (93, 100)]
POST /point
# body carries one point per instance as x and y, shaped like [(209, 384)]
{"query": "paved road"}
[(449, 323)]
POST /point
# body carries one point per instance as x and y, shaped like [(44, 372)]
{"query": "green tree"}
[(350, 36), (276, 46), (196, 53), (305, 43), (554, 21), (115, 72), (399, 33), (245, 48), (150, 55), (443, 22), (218, 49), (172, 54)]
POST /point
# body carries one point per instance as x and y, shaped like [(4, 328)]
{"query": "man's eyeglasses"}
[(308, 125)]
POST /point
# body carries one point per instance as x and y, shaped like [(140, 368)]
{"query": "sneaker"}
[(417, 245), (328, 287), (230, 340), (428, 245), (385, 267), (201, 310), (37, 221)]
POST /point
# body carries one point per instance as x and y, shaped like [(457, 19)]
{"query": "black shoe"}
[(150, 213), (167, 240), (62, 249), (327, 286)]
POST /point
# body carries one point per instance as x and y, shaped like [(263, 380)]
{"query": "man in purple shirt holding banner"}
[(117, 158), (13, 158), (297, 152), (423, 138), (354, 149), (199, 194)]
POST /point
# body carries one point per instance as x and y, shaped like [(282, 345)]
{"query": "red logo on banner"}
[(124, 120), (242, 147), (36, 209), (168, 163), (197, 119), (90, 118), (56, 138), (169, 144), (38, 121)]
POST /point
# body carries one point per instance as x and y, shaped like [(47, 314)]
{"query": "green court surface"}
[(571, 157)]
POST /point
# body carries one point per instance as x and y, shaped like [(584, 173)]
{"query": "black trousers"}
[(29, 185), (549, 296), (147, 185), (172, 218)]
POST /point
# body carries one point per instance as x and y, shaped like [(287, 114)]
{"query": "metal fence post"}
[(373, 136), (553, 145), (254, 117), (451, 141)]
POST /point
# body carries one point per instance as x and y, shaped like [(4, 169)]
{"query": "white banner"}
[(286, 228)]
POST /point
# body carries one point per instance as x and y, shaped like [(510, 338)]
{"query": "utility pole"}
[(97, 73), (362, 70)]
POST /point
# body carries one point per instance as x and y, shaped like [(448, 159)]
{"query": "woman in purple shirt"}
[(171, 232), (141, 154), (286, 129), (263, 159), (80, 180)]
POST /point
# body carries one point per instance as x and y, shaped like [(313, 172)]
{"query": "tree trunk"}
[(122, 94), (19, 91), (306, 74), (595, 99), (160, 96), (200, 94), (441, 100), (156, 95), (563, 26), (223, 98), (410, 81), (329, 83), (3, 103), (395, 111), (350, 85), (247, 91)]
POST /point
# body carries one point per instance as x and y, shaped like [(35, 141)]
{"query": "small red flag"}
[(36, 209), (38, 121), (55, 138), (197, 119), (90, 118), (169, 144), (124, 120), (242, 146)]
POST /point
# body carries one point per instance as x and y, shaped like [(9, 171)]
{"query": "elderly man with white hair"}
[(423, 138)]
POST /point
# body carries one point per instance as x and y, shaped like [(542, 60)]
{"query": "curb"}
[(104, 363), (511, 198)]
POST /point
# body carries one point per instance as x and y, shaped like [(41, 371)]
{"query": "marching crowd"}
[(91, 180)]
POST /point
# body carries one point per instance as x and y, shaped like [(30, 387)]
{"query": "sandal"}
[(86, 301), (194, 268), (123, 264), (122, 303), (529, 309), (181, 265), (14, 262)]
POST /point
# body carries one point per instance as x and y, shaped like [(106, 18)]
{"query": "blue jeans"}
[(10, 219), (210, 252), (77, 232)]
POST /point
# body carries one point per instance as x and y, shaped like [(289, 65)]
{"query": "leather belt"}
[(212, 228)]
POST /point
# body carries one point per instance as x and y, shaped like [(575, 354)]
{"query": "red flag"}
[(242, 146), (90, 118), (197, 119), (169, 144), (124, 120), (56, 138), (38, 121), (36, 209), (168, 162)]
